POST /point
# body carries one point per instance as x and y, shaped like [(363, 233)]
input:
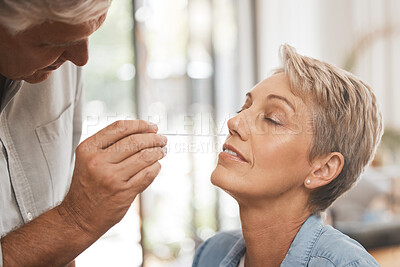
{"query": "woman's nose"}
[(78, 53), (239, 125)]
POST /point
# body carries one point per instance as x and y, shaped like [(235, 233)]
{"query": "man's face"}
[(33, 54)]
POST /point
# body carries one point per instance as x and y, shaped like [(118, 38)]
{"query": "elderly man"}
[(51, 210)]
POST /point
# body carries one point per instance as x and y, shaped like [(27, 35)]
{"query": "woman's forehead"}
[(278, 85)]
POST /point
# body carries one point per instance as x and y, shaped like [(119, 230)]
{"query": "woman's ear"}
[(324, 170)]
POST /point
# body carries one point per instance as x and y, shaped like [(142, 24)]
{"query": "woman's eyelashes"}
[(271, 120)]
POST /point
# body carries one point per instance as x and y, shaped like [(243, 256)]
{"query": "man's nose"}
[(78, 53), (239, 125)]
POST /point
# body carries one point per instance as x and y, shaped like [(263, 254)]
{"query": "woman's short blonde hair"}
[(346, 119)]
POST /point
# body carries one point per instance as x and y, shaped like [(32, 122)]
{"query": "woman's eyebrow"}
[(284, 99)]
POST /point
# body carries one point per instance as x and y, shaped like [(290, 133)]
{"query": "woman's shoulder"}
[(216, 249), (338, 249)]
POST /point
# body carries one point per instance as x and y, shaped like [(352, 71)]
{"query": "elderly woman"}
[(301, 140)]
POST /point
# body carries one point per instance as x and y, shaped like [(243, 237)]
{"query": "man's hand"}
[(112, 167)]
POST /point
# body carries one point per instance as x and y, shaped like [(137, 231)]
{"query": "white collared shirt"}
[(40, 127)]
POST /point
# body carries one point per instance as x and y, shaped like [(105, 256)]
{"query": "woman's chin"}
[(222, 178), (215, 177)]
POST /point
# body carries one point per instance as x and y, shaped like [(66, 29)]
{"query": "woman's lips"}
[(230, 152)]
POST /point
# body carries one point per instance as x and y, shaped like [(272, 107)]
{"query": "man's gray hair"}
[(19, 15)]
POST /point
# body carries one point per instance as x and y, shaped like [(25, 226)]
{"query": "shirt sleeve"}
[(322, 261), (198, 254), (362, 263)]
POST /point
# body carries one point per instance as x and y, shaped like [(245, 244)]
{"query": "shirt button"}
[(30, 216)]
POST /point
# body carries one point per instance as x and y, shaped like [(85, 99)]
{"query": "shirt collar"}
[(300, 250), (9, 91), (238, 250)]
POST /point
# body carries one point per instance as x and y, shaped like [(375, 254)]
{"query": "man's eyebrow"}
[(249, 95), (284, 99)]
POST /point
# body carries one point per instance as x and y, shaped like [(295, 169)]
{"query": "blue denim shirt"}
[(315, 245)]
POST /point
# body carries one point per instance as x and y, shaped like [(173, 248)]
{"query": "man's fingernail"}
[(164, 150), (164, 139), (153, 126)]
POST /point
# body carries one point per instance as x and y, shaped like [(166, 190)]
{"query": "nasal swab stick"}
[(181, 134)]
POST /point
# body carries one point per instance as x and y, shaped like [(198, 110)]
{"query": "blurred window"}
[(109, 96), (174, 63)]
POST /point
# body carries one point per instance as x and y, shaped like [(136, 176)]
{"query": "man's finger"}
[(144, 178), (119, 130), (134, 164), (132, 144)]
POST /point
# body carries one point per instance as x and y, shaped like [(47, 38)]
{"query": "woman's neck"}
[(269, 231)]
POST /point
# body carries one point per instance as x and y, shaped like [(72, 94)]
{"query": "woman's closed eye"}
[(272, 120), (268, 118)]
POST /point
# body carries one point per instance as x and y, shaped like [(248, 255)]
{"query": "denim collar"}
[(299, 252), (238, 250)]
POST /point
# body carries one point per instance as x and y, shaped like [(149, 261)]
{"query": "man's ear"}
[(324, 170)]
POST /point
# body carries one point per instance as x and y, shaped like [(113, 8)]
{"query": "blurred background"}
[(187, 64)]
